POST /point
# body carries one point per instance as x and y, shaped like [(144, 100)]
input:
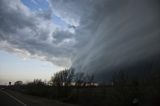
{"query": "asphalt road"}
[(12, 98), (6, 100)]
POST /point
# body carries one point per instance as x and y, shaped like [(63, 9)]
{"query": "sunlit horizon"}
[(14, 68)]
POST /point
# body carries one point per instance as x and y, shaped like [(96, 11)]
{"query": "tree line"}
[(80, 88)]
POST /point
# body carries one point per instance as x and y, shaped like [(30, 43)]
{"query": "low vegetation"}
[(79, 88)]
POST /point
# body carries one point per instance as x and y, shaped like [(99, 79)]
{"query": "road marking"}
[(23, 104)]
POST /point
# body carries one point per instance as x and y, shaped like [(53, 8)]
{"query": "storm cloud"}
[(126, 33), (32, 33), (98, 35)]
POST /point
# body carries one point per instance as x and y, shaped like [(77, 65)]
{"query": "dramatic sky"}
[(40, 37)]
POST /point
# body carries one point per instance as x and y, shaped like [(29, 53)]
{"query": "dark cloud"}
[(100, 36), (121, 34)]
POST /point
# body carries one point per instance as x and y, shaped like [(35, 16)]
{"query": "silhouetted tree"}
[(63, 78), (38, 82), (18, 83), (90, 80), (37, 87), (79, 79)]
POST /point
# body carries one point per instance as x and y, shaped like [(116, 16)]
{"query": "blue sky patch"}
[(36, 5), (57, 20)]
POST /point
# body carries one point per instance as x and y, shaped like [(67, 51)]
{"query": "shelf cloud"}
[(94, 36)]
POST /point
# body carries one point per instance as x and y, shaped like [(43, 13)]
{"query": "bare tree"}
[(90, 80), (63, 78), (79, 79), (38, 82)]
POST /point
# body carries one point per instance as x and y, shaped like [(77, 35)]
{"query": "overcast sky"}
[(40, 37)]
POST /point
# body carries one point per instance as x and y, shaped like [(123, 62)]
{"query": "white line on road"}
[(23, 104)]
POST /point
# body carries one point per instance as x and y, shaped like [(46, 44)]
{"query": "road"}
[(12, 98), (6, 100)]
